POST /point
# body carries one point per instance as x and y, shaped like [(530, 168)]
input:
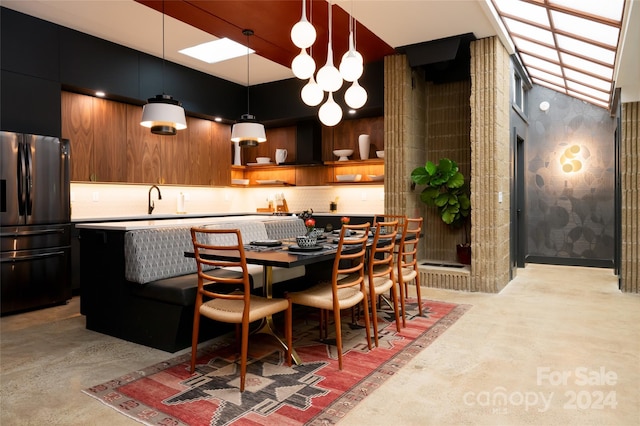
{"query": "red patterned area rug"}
[(315, 392)]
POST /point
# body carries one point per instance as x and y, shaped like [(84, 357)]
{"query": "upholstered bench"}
[(161, 282)]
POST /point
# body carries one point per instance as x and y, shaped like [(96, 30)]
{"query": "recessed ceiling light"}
[(218, 119), (100, 94), (216, 51)]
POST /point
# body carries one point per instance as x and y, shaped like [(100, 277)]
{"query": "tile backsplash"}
[(104, 201)]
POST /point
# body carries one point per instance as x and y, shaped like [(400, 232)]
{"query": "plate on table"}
[(295, 247), (267, 243)]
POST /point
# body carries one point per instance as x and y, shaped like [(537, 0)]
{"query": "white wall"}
[(104, 201)]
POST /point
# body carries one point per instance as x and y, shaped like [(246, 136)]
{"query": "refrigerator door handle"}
[(29, 181), (31, 257), (21, 181)]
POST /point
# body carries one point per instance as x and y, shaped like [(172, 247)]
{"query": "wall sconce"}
[(572, 159)]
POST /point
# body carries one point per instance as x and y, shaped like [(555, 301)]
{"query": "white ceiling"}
[(397, 22)]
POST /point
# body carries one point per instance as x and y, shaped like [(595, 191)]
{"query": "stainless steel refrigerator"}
[(35, 221)]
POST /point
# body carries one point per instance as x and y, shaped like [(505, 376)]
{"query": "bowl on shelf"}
[(343, 154), (348, 178), (244, 182), (263, 160), (306, 241), (380, 154), (376, 178)]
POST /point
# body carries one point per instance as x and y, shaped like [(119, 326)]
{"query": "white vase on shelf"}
[(237, 160), (364, 143)]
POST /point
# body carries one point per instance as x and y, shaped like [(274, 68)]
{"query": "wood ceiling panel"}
[(271, 22)]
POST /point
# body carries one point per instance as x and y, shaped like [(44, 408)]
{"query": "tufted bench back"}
[(154, 254), (283, 229)]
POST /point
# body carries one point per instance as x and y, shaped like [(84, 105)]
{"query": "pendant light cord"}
[(248, 33), (163, 60)]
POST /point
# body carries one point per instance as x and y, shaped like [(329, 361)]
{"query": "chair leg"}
[(367, 324), (394, 298), (194, 339), (336, 320), (402, 304), (243, 354), (288, 333), (418, 293)]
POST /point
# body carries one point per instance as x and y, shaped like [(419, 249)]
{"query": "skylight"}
[(567, 45), (216, 51)]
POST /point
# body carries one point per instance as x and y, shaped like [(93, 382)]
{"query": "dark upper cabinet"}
[(90, 63), (29, 46), (29, 104)]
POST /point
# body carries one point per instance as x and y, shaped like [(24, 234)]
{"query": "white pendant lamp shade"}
[(355, 96), (248, 132), (303, 34), (328, 77), (163, 115), (311, 93), (303, 65), (330, 112)]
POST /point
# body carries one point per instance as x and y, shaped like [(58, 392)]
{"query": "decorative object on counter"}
[(281, 203), (237, 154), (446, 190), (364, 144), (263, 160), (180, 204), (248, 131), (380, 154), (376, 178), (343, 154), (281, 155), (348, 178), (243, 182), (163, 114), (333, 205)]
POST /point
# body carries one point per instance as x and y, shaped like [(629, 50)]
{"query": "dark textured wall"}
[(569, 181)]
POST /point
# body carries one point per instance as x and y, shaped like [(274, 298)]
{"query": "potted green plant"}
[(446, 190)]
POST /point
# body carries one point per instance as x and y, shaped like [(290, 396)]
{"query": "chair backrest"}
[(408, 247), (349, 264), (382, 249), (219, 284)]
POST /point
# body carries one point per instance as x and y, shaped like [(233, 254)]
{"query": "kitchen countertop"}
[(78, 220), (163, 223)]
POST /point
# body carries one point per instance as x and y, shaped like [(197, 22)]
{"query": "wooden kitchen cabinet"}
[(144, 150), (95, 128), (109, 145)]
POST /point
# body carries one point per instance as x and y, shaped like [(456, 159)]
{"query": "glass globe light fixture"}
[(303, 65), (330, 112), (303, 34), (328, 76), (355, 96), (311, 93), (352, 64)]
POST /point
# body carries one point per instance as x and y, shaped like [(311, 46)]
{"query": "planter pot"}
[(464, 254)]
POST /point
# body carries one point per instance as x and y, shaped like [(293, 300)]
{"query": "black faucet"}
[(151, 205)]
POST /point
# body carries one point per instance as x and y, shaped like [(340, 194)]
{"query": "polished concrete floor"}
[(558, 346)]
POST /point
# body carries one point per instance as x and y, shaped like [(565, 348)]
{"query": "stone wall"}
[(490, 165), (630, 182)]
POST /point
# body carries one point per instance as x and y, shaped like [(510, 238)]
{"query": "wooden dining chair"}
[(227, 297), (346, 288), (380, 276), (407, 262)]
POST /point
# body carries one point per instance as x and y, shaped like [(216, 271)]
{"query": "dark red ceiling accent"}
[(271, 22)]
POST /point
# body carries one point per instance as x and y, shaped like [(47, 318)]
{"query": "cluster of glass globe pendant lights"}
[(329, 78)]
